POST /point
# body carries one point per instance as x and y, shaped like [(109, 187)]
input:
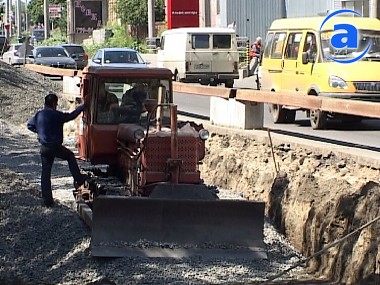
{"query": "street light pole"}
[(46, 19), (151, 19), (18, 17), (26, 17), (373, 8)]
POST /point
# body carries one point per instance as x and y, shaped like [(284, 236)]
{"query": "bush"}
[(120, 38)]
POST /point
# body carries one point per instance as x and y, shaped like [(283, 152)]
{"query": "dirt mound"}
[(314, 197), (22, 93)]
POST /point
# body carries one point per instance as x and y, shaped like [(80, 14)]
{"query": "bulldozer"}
[(131, 125)]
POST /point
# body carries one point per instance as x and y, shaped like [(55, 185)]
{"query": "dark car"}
[(38, 36), (4, 45), (78, 53), (52, 56)]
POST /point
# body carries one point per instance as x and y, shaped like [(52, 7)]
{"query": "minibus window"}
[(268, 44), (292, 46), (278, 45), (221, 41), (200, 41)]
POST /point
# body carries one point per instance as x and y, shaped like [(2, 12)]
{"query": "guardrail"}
[(343, 106), (53, 71)]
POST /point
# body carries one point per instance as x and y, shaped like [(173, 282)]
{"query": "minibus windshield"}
[(365, 38)]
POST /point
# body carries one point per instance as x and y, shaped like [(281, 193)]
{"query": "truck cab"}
[(116, 96)]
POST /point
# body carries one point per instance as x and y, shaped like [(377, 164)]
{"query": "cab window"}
[(221, 41), (293, 45), (200, 41), (310, 46), (278, 45), (268, 44)]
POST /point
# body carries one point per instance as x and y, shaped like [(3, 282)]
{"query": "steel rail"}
[(342, 106)]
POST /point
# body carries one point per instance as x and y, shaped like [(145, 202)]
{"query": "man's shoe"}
[(84, 183)]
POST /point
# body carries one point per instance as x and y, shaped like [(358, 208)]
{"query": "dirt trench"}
[(314, 197)]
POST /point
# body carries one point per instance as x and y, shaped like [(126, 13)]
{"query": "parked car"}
[(16, 54), (4, 44), (38, 36), (117, 57), (53, 56), (78, 53)]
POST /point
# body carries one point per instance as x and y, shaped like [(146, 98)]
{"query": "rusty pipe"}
[(174, 144)]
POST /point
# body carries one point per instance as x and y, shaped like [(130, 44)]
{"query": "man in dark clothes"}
[(48, 124)]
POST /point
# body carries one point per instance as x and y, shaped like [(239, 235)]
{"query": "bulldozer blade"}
[(177, 228)]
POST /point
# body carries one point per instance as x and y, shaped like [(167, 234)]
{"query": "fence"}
[(343, 106)]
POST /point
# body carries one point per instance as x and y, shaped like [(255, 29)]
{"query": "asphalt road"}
[(363, 135)]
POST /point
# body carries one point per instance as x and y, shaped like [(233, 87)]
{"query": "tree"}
[(36, 12), (135, 12)]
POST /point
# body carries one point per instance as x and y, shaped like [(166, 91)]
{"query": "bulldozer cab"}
[(115, 97)]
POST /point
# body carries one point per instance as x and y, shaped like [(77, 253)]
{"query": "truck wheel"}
[(290, 116), (318, 119), (278, 114)]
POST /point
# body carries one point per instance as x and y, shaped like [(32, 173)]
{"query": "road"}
[(363, 135)]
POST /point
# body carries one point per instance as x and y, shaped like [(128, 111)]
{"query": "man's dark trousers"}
[(48, 153)]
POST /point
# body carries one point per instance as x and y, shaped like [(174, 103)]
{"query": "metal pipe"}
[(46, 19), (159, 108), (174, 144), (151, 19)]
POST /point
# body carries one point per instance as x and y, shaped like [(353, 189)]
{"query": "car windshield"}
[(366, 38), (123, 100), (38, 33), (122, 57), (74, 49), (51, 52)]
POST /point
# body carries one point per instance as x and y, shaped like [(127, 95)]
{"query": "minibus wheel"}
[(278, 114), (318, 119)]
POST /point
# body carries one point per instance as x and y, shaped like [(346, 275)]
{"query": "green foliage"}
[(36, 11), (57, 38), (119, 39), (135, 12)]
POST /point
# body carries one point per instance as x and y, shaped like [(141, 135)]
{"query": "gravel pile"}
[(41, 245)]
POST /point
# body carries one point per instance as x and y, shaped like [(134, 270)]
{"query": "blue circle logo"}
[(347, 38)]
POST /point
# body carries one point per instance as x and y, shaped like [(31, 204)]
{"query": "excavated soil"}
[(314, 197)]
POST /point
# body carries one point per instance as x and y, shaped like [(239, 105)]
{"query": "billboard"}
[(183, 13), (87, 15)]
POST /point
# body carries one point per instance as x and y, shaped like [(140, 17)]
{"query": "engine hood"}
[(357, 71), (55, 61)]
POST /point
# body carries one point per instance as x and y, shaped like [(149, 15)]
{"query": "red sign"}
[(183, 13), (7, 26)]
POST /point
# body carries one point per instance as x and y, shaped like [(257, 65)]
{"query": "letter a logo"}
[(348, 38)]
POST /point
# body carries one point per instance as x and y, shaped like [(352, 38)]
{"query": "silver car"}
[(124, 57), (16, 54)]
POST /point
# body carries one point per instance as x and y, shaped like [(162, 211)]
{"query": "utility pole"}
[(70, 21), (26, 17), (18, 18), (151, 19), (46, 19), (8, 22), (373, 8)]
